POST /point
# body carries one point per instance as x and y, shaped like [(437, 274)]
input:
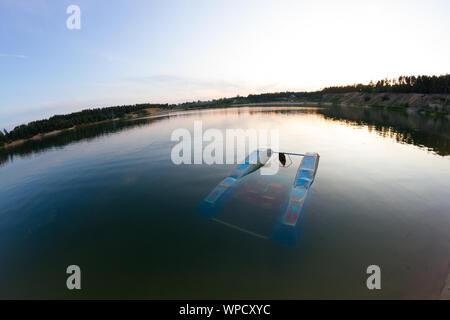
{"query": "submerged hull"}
[(253, 162), (300, 189)]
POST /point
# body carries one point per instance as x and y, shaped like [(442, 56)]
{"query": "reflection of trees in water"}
[(288, 111), (423, 131), (88, 132), (416, 129), (431, 133)]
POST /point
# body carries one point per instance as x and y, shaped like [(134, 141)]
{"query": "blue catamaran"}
[(288, 219)]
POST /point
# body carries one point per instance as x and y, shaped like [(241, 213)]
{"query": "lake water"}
[(108, 199)]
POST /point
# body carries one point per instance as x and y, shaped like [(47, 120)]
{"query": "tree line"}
[(61, 122), (402, 84)]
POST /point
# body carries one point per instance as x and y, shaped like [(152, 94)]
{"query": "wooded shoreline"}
[(349, 100), (429, 95)]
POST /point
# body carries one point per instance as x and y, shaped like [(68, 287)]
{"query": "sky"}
[(169, 51)]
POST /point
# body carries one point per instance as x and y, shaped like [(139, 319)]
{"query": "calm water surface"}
[(109, 199)]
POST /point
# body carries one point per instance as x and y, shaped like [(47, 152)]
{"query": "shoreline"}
[(155, 112), (36, 137), (130, 117), (41, 136)]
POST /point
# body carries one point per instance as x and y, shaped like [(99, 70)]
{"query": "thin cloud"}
[(196, 82), (20, 56)]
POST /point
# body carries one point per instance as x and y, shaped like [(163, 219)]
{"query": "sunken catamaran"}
[(286, 225), (212, 203)]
